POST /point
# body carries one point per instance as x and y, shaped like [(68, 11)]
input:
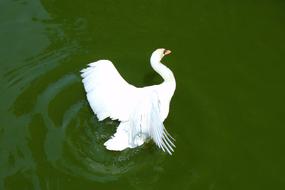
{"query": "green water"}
[(227, 114)]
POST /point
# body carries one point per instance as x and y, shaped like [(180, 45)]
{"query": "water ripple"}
[(53, 101), (48, 124)]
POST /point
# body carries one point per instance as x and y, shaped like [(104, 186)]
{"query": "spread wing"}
[(157, 130), (108, 94), (147, 119)]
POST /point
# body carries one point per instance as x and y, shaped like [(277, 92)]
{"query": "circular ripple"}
[(63, 131)]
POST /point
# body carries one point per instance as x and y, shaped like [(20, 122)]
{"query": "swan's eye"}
[(164, 52)]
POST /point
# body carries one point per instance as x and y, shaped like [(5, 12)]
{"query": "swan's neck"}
[(162, 70)]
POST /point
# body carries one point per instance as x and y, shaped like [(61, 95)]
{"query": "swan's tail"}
[(122, 139)]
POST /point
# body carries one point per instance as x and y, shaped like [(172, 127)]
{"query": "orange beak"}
[(166, 52)]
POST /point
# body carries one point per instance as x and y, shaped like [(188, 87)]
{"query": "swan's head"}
[(158, 54)]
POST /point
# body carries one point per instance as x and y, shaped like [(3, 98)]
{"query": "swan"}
[(141, 111)]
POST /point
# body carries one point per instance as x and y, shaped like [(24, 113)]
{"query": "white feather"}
[(107, 91)]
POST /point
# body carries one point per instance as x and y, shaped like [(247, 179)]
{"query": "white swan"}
[(141, 111)]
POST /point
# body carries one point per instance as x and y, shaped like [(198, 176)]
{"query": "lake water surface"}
[(227, 114)]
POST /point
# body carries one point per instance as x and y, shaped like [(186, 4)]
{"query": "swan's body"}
[(141, 111)]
